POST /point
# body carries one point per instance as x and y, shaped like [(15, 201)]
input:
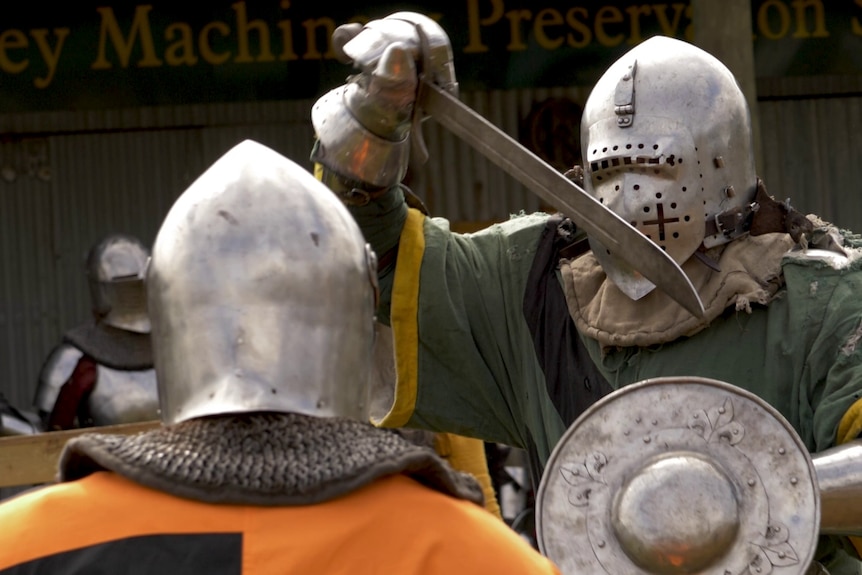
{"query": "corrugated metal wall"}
[(68, 178), (60, 193), (812, 154)]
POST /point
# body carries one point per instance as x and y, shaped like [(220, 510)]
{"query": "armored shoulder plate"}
[(120, 396), (55, 372), (124, 396)]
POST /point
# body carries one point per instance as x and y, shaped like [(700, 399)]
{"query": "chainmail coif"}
[(262, 459)]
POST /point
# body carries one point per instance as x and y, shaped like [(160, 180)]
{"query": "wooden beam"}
[(32, 459)]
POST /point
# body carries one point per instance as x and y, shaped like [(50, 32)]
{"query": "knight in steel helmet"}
[(667, 145), (262, 291), (102, 372), (115, 273)]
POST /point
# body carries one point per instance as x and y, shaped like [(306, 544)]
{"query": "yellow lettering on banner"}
[(802, 24), (577, 27), (586, 35), (854, 21), (608, 15), (287, 53), (286, 27), (783, 13), (205, 48), (688, 34), (323, 27), (12, 40), (545, 19), (635, 13), (182, 51), (475, 23), (49, 56), (516, 43), (123, 47), (126, 40), (242, 29)]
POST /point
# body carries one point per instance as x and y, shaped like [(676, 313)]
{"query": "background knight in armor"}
[(101, 373)]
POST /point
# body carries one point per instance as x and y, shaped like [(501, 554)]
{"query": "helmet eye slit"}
[(659, 163)]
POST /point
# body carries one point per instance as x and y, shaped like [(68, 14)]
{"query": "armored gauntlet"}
[(364, 127)]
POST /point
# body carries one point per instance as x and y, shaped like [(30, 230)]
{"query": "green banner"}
[(87, 55)]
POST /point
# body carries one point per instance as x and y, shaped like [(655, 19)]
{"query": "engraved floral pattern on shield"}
[(679, 475)]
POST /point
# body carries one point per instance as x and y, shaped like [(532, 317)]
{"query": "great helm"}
[(262, 294), (667, 145), (115, 269)]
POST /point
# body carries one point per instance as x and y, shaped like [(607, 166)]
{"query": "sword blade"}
[(557, 190)]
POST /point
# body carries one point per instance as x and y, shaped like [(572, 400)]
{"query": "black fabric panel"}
[(537, 466), (180, 554), (573, 381)]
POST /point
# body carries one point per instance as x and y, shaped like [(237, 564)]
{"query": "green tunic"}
[(466, 361), (475, 351)]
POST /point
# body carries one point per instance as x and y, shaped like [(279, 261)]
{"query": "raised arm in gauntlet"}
[(368, 129)]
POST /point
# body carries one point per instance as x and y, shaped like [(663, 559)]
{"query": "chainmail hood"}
[(263, 459), (112, 347)]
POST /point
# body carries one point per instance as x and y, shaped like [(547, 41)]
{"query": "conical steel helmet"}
[(262, 293)]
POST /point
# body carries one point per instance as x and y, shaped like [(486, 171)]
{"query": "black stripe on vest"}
[(572, 379), (175, 554)]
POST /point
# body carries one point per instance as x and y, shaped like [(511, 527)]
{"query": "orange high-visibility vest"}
[(394, 525)]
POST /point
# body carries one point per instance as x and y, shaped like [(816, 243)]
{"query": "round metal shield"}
[(679, 475)]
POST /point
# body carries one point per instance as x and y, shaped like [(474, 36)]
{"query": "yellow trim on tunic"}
[(849, 428), (468, 455), (404, 314)]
